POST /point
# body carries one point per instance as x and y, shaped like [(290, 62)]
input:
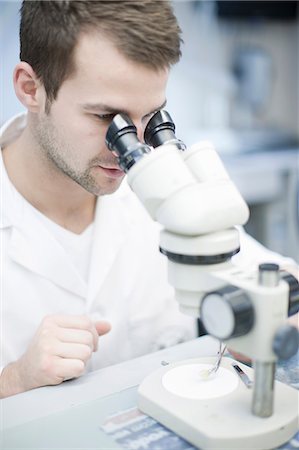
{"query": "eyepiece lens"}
[(120, 125), (121, 137), (161, 130)]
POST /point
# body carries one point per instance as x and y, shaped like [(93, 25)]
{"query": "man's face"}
[(72, 135)]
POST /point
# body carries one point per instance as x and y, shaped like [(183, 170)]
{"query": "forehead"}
[(102, 71)]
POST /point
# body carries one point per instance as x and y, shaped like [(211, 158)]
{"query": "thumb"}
[(102, 327)]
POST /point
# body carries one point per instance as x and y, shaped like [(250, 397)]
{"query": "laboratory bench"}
[(98, 410)]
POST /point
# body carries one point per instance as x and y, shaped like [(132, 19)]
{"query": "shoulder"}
[(253, 253), (12, 129)]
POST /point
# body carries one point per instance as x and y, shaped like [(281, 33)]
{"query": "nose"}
[(140, 129)]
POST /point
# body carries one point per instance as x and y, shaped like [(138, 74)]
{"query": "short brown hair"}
[(145, 31)]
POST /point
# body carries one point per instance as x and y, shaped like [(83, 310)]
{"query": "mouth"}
[(111, 172)]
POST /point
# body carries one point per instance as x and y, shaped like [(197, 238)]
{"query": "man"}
[(79, 263)]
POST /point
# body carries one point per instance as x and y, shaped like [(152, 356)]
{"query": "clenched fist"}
[(59, 350)]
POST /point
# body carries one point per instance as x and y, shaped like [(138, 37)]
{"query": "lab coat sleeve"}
[(158, 323), (252, 253), (155, 321)]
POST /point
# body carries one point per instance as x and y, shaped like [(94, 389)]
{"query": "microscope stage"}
[(215, 413)]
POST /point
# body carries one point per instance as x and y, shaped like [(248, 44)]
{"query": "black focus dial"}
[(293, 292), (286, 341), (227, 313)]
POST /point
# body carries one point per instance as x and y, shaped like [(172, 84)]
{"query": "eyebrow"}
[(96, 107)]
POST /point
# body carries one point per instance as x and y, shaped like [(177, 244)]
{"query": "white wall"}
[(9, 56), (202, 88)]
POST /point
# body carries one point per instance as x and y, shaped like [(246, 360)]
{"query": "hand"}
[(58, 351), (240, 357)]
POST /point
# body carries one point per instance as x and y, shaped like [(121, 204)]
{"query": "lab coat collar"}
[(112, 227), (31, 244), (38, 251)]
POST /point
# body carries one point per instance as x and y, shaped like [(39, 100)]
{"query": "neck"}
[(50, 191)]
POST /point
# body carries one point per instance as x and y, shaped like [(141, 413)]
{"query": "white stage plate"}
[(186, 381)]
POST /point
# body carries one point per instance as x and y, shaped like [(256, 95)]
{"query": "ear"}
[(27, 87)]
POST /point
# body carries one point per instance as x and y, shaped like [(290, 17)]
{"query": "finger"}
[(95, 337), (75, 322), (67, 368), (74, 351), (102, 327), (69, 321), (76, 336)]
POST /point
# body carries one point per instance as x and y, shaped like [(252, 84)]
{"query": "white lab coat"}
[(127, 282)]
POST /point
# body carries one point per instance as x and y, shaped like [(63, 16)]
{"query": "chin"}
[(110, 188)]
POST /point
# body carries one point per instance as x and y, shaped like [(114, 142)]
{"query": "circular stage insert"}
[(187, 381)]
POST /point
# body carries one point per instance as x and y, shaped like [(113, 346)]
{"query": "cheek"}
[(81, 131), (93, 135), (93, 129)]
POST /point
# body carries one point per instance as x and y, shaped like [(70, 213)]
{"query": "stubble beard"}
[(51, 144)]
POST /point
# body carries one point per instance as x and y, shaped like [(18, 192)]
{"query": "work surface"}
[(98, 411)]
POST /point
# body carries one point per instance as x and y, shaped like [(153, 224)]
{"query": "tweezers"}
[(245, 378)]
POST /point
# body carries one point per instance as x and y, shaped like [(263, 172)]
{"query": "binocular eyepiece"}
[(122, 137)]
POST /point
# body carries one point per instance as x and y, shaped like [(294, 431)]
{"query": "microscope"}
[(189, 193)]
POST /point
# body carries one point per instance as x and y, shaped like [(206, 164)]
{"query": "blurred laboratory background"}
[(237, 85)]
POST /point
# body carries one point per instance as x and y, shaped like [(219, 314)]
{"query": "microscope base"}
[(216, 416)]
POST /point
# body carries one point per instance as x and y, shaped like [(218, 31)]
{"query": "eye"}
[(104, 117)]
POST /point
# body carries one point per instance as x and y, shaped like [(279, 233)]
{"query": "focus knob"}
[(227, 313), (286, 341), (293, 292)]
